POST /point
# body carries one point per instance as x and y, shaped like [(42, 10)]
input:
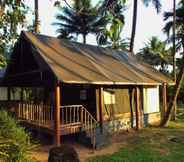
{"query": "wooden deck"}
[(41, 118), (72, 119), (48, 128)]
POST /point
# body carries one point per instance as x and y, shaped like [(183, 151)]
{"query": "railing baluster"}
[(34, 110), (31, 108), (74, 120), (70, 115), (66, 115)]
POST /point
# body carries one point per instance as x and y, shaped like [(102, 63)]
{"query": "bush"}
[(64, 153), (15, 143)]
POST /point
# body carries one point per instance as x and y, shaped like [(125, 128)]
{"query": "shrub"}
[(15, 143), (64, 153)]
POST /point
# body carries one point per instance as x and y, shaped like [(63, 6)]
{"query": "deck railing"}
[(79, 114), (35, 113), (43, 115)]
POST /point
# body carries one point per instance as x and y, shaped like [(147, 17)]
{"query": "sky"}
[(149, 23)]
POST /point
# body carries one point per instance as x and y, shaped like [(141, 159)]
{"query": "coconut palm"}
[(36, 23), (156, 54), (168, 17), (110, 4), (12, 17), (82, 19), (179, 36), (110, 36)]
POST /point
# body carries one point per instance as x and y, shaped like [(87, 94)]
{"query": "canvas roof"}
[(73, 62)]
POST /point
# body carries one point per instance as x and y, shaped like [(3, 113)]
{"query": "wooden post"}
[(164, 98), (21, 95), (8, 94), (57, 115), (137, 108), (101, 105)]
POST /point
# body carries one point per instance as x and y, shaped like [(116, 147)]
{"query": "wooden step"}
[(71, 128)]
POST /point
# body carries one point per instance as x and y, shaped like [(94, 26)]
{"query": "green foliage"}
[(180, 97), (110, 36), (15, 143), (156, 54), (168, 17), (82, 19), (2, 61), (12, 15)]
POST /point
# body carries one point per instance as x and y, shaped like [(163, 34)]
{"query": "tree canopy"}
[(82, 19), (156, 54), (12, 16)]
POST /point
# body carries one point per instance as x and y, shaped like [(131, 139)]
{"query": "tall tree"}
[(179, 45), (36, 23), (80, 19), (156, 54), (157, 5), (110, 36), (12, 16)]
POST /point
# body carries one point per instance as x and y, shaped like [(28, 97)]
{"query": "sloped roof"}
[(73, 62)]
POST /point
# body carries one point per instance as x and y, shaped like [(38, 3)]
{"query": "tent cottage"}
[(63, 87)]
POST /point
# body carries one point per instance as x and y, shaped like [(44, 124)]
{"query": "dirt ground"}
[(41, 154)]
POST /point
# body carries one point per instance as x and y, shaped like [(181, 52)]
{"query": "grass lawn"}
[(151, 145)]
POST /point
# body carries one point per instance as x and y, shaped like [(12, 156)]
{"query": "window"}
[(151, 100), (3, 93), (116, 102)]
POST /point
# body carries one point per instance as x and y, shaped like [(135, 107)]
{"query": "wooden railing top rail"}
[(68, 106), (90, 115)]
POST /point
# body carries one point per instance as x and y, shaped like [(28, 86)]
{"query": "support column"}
[(21, 95), (164, 98), (57, 115), (8, 94), (137, 108), (101, 105)]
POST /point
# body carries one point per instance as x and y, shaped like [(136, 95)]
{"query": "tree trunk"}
[(174, 39), (174, 53), (36, 28), (134, 23), (172, 103)]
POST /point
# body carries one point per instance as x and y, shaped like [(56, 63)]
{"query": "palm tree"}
[(156, 54), (82, 19), (36, 23), (179, 37), (157, 5), (110, 36)]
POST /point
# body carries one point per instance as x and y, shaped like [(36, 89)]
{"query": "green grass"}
[(151, 145)]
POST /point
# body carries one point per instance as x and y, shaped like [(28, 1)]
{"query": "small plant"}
[(15, 143)]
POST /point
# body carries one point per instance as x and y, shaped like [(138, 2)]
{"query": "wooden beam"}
[(164, 98), (57, 115), (21, 94), (101, 105), (137, 108)]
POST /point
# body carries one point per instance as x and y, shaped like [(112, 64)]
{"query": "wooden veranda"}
[(69, 120)]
